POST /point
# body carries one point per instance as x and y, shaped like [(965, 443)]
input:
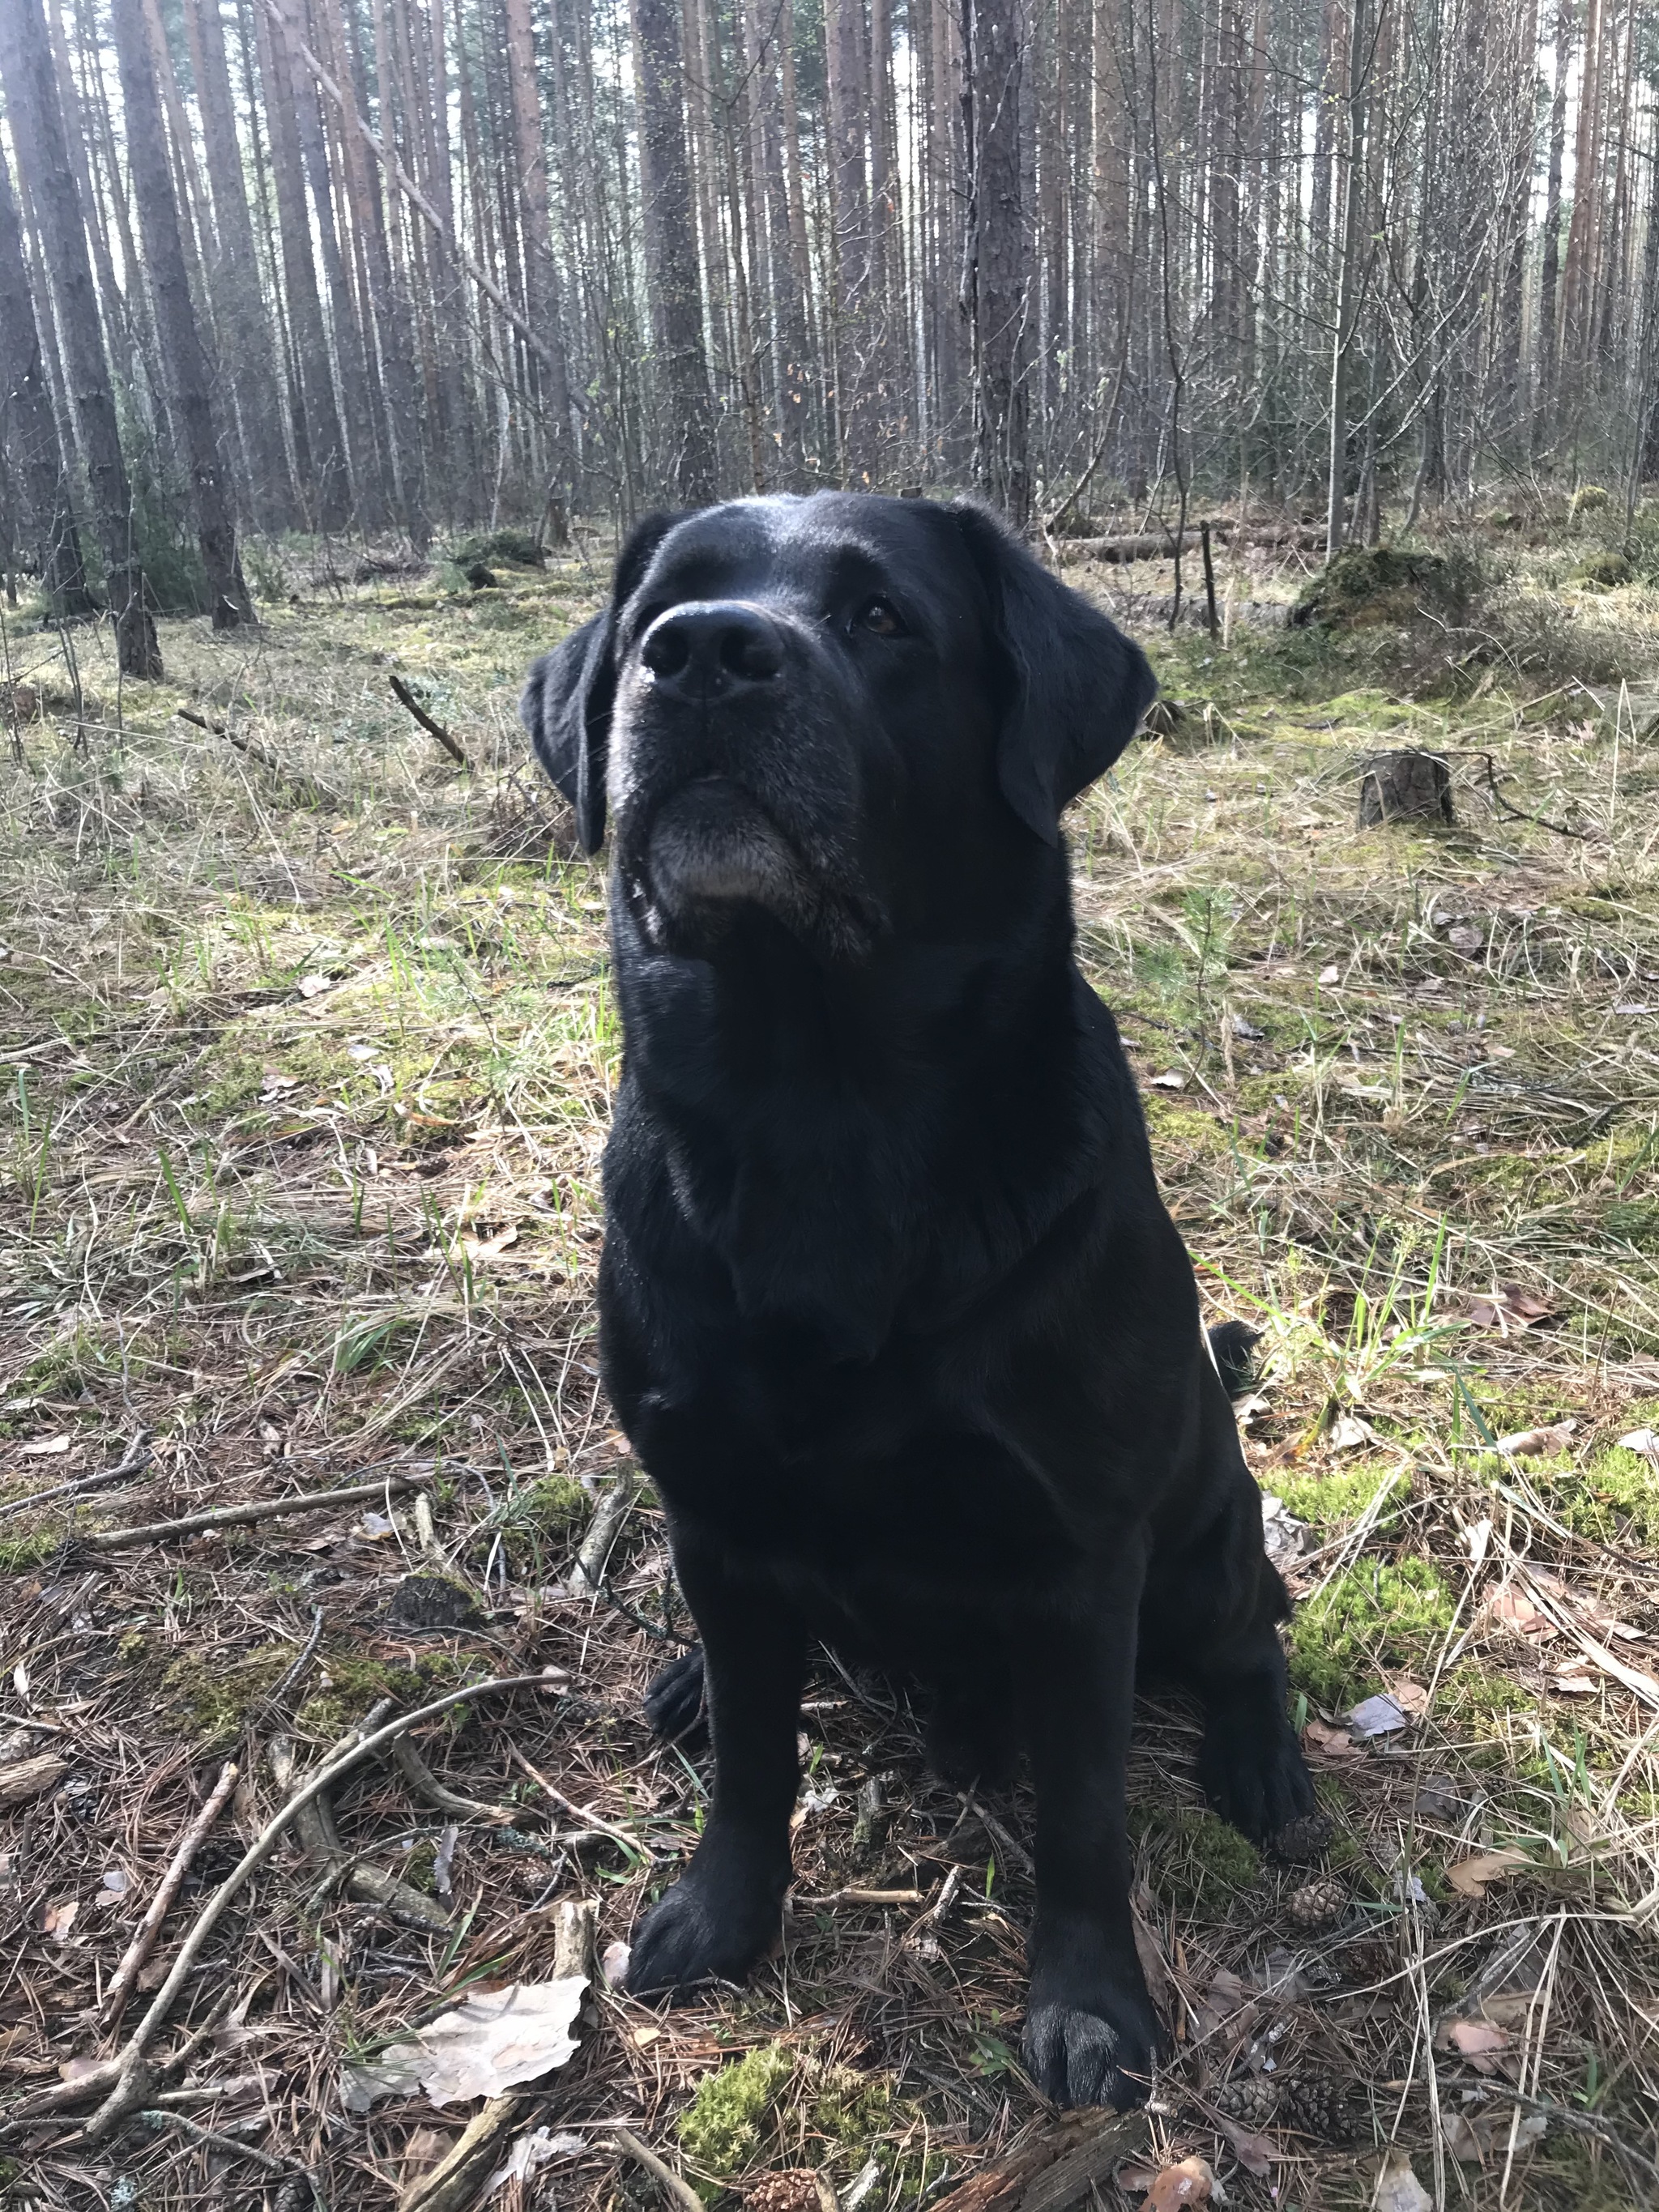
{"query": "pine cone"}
[(1318, 1904), (1314, 2105), (1371, 1958), (1303, 1840), (1252, 2101), (794, 2190)]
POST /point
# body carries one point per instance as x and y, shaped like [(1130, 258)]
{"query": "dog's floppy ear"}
[(567, 700), (1078, 687)]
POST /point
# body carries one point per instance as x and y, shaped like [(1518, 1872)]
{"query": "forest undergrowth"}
[(307, 1048)]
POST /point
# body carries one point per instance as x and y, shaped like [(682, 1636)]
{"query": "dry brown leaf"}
[(1508, 1308), (1534, 1443), (58, 1919), (1191, 2182), (1512, 1608), (1470, 1877), (1398, 2189), (1256, 2153), (484, 1248), (47, 1447), (1330, 1743)]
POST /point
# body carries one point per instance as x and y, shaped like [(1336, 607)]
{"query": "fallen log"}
[(1159, 544)]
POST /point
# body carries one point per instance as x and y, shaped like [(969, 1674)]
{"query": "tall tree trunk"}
[(1348, 276), (319, 442), (187, 367), (37, 124), (543, 300), (245, 339), (849, 198), (28, 433), (998, 261), (670, 251)]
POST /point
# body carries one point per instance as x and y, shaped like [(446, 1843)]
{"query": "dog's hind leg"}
[(1210, 1618)]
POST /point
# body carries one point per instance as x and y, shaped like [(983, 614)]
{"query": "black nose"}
[(713, 647)]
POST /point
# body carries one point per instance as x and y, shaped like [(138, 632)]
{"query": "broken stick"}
[(144, 1943), (406, 697), (241, 1516)]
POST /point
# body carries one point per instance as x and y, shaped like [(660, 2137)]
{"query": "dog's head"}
[(840, 710)]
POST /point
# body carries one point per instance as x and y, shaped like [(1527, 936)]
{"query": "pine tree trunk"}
[(849, 197), (999, 259), (234, 278), (37, 124), (543, 300), (670, 251), (31, 441), (187, 367)]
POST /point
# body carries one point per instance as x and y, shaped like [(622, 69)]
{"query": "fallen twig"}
[(232, 2146), (125, 2077), (863, 1897), (581, 1811), (406, 697), (144, 1943), (679, 2192), (1055, 2170), (1638, 1684), (241, 1516), (425, 1784), (319, 794), (132, 1460), (604, 1530)]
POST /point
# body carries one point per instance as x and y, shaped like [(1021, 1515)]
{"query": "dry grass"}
[(307, 1051)]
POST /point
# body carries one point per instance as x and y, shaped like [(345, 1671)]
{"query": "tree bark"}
[(36, 123), (1348, 286), (997, 256), (187, 367), (233, 277), (670, 253), (543, 300), (28, 433)]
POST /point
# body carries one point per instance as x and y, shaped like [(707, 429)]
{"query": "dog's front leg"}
[(723, 1912), (1090, 2032)]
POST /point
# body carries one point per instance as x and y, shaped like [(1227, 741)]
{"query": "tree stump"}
[(1404, 787)]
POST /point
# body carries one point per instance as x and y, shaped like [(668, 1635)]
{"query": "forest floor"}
[(308, 1044)]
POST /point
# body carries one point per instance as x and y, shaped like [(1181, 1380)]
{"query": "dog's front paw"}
[(1251, 1766), (713, 1926), (1097, 2048), (676, 1701)]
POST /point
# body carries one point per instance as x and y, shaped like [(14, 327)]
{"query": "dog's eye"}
[(881, 618)]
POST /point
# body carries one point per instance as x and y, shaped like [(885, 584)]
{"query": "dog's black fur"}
[(891, 1309)]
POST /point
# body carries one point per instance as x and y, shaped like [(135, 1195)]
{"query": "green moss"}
[(19, 1554), (1197, 1862), (209, 1694), (1614, 1497), (1372, 1619), (540, 1517), (720, 2129), (1334, 1501)]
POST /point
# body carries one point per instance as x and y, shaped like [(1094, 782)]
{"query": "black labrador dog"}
[(890, 1306)]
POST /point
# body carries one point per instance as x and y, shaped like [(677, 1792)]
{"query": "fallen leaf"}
[(1189, 2183), (58, 1919), (1472, 2138), (395, 2073), (1463, 937), (1282, 1533), (1398, 2189), (77, 2069), (1470, 1877), (1645, 1441), (1247, 1031), (1168, 1081), (1256, 2153), (533, 2152), (48, 1448), (1529, 1442), (644, 2036), (1475, 2039), (1508, 1308), (490, 1247), (116, 1879), (1379, 1716), (1578, 1679), (1412, 1698), (499, 2038), (1135, 2177), (1477, 1537), (1514, 1609), (1331, 974), (614, 1963), (1347, 1432), (1328, 1742)]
